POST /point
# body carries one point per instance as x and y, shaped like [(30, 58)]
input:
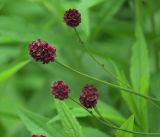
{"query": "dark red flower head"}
[(89, 96), (42, 51), (60, 90), (72, 17), (38, 136)]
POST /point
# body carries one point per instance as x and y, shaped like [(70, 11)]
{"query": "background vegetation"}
[(122, 34)]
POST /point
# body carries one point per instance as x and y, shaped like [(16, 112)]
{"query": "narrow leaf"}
[(140, 63), (11, 71), (69, 122)]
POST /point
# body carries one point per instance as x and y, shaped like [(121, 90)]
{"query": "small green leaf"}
[(11, 71), (70, 124), (36, 124), (128, 125)]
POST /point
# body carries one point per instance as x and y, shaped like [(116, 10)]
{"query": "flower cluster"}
[(88, 97), (60, 90), (72, 17), (43, 51), (38, 136)]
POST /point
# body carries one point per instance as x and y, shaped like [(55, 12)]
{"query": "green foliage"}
[(120, 31), (128, 125), (11, 71), (107, 112), (37, 124), (69, 122), (140, 63)]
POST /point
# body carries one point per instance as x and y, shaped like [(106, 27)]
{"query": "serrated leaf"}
[(36, 124), (128, 125), (11, 71), (70, 124)]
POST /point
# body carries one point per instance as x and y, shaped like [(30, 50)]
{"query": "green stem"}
[(102, 118), (108, 84), (94, 58), (112, 126)]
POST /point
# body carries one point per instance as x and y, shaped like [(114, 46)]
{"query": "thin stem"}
[(112, 126), (108, 83), (102, 118), (94, 58)]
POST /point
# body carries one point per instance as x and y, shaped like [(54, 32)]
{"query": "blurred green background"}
[(124, 35)]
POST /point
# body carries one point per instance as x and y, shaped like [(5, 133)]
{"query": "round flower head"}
[(89, 96), (60, 90), (38, 136), (72, 17), (42, 51)]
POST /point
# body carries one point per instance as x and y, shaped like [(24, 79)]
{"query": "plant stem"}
[(102, 118), (95, 60), (111, 126), (108, 83)]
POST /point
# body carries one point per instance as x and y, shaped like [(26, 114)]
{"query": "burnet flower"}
[(72, 17), (38, 136), (89, 96), (60, 90), (42, 51)]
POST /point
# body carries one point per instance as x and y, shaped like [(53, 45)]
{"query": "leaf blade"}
[(128, 125), (69, 122)]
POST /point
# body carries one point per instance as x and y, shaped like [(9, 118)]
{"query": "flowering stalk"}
[(108, 83), (95, 60), (112, 126), (102, 118)]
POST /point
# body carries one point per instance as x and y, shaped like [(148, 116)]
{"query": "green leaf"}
[(107, 112), (140, 63), (36, 124), (70, 124), (129, 98), (128, 125), (140, 74), (11, 71)]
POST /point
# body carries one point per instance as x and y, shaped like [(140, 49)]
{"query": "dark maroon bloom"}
[(89, 96), (72, 17), (38, 136), (42, 51), (60, 90)]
